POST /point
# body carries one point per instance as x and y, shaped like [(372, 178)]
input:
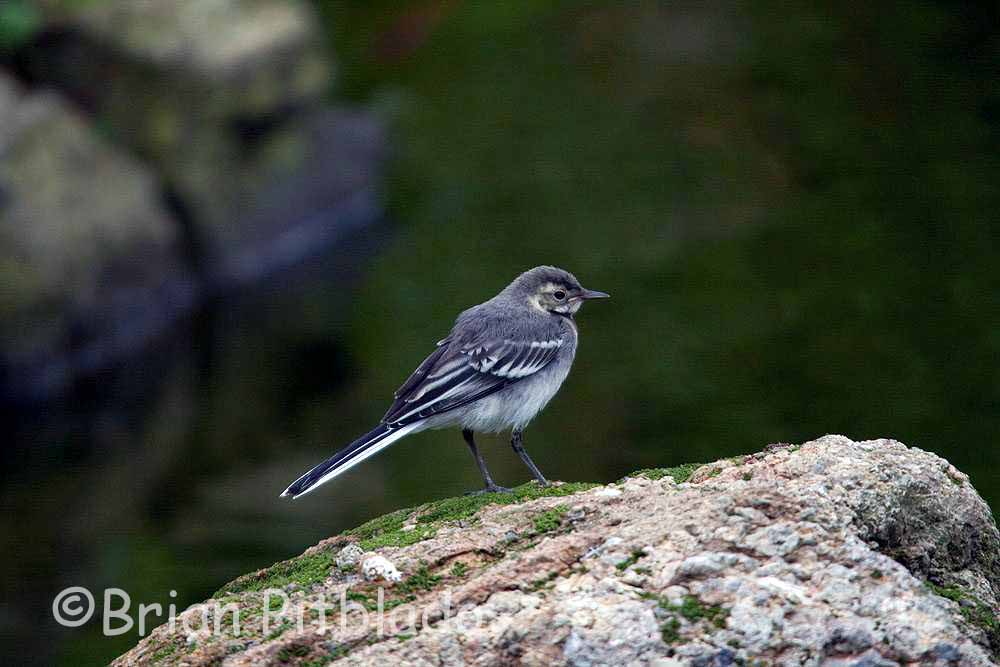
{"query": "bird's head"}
[(553, 290)]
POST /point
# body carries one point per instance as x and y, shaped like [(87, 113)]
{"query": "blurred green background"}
[(793, 204)]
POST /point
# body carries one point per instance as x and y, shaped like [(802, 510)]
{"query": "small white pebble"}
[(607, 492), (380, 567)]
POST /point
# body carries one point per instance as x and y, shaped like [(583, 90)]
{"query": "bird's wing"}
[(458, 373)]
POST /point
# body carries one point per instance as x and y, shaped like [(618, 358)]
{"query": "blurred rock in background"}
[(88, 253), (225, 103)]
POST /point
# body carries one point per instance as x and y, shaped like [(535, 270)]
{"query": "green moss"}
[(382, 524), (362, 599), (539, 584), (321, 661), (695, 610), (953, 593), (294, 651), (692, 610), (164, 652), (679, 474), (453, 509), (304, 571), (282, 628), (631, 560), (747, 476), (397, 538), (459, 569), (392, 603), (388, 530), (670, 631), (421, 580), (974, 610), (550, 520)]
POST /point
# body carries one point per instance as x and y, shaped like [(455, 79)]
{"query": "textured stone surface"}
[(788, 557), (87, 252)]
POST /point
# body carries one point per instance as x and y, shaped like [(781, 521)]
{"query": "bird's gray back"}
[(516, 404), (500, 364)]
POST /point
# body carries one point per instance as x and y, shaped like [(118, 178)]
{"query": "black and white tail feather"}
[(366, 446), (472, 363)]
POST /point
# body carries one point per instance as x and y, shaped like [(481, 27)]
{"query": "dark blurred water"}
[(794, 206)]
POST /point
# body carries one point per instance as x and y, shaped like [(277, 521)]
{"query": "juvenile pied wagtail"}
[(502, 362)]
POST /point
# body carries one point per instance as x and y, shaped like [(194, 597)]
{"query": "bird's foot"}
[(492, 488)]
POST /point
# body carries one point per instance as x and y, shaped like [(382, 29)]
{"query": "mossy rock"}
[(399, 529)]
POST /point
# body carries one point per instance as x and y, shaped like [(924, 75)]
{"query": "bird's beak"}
[(593, 294)]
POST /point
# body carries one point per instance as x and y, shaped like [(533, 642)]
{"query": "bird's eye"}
[(559, 295)]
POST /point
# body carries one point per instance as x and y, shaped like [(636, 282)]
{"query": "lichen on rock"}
[(835, 552)]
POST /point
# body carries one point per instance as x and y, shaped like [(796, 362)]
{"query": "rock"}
[(209, 129), (226, 98), (801, 562), (349, 556), (257, 55), (89, 258)]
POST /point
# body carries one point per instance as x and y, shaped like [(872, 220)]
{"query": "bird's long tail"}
[(368, 445)]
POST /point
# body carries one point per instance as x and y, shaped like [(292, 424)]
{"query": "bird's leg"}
[(515, 442), (491, 486)]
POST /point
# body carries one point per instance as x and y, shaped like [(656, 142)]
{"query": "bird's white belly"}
[(516, 405)]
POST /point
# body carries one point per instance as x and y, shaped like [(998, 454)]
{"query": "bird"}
[(497, 368)]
